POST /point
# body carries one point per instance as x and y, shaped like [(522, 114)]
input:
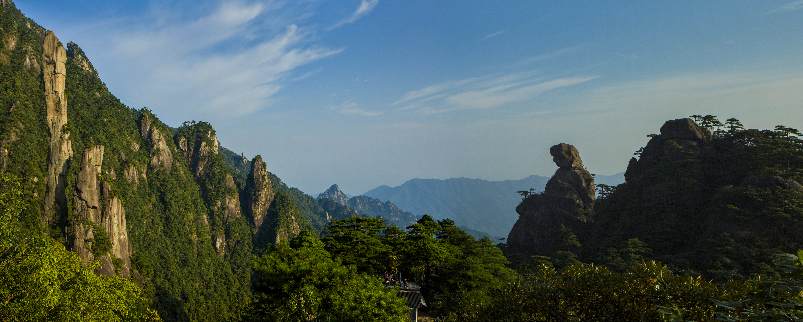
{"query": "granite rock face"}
[(86, 203), (197, 152), (161, 157), (54, 56), (566, 203), (96, 209), (261, 192)]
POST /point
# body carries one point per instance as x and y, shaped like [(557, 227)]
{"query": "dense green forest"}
[(699, 232)]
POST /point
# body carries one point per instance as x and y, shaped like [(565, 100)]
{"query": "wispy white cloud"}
[(557, 53), (493, 34), (366, 6), (221, 64), (483, 92), (795, 5), (349, 107)]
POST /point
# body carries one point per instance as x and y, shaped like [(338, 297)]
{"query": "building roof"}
[(414, 298)]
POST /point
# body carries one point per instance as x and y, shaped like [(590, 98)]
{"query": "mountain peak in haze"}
[(335, 194)]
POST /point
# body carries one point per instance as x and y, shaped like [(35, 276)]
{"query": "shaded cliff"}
[(716, 200), (565, 207)]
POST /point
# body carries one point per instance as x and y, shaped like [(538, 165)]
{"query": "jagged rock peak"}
[(566, 156), (75, 52), (261, 192), (54, 74), (196, 141), (335, 194)]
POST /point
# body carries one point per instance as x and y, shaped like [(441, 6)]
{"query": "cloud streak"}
[(366, 6), (349, 107), (483, 92), (223, 64), (493, 35), (795, 5)]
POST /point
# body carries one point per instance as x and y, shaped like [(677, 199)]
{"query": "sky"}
[(363, 93)]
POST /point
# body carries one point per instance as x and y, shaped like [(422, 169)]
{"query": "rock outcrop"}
[(260, 192), (114, 221), (77, 54), (678, 138), (283, 221), (86, 203), (161, 157), (770, 181), (335, 194), (54, 56), (566, 203), (99, 231), (197, 148)]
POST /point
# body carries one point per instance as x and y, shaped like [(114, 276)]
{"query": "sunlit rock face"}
[(260, 192), (566, 203), (54, 73)]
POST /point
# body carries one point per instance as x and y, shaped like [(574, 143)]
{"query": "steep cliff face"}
[(160, 156), (197, 143), (87, 207), (118, 260), (197, 149), (260, 192), (100, 231), (282, 222), (128, 201), (54, 57), (566, 206)]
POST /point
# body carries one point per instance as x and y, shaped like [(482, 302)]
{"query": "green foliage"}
[(41, 281), (694, 208), (281, 222), (336, 210), (357, 241), (299, 281), (585, 292), (100, 242), (307, 206)]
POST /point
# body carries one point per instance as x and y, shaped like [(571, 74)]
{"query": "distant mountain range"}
[(363, 206), (485, 206)]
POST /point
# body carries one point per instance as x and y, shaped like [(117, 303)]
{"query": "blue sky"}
[(363, 93)]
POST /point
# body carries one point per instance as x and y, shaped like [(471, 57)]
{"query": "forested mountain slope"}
[(117, 185)]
